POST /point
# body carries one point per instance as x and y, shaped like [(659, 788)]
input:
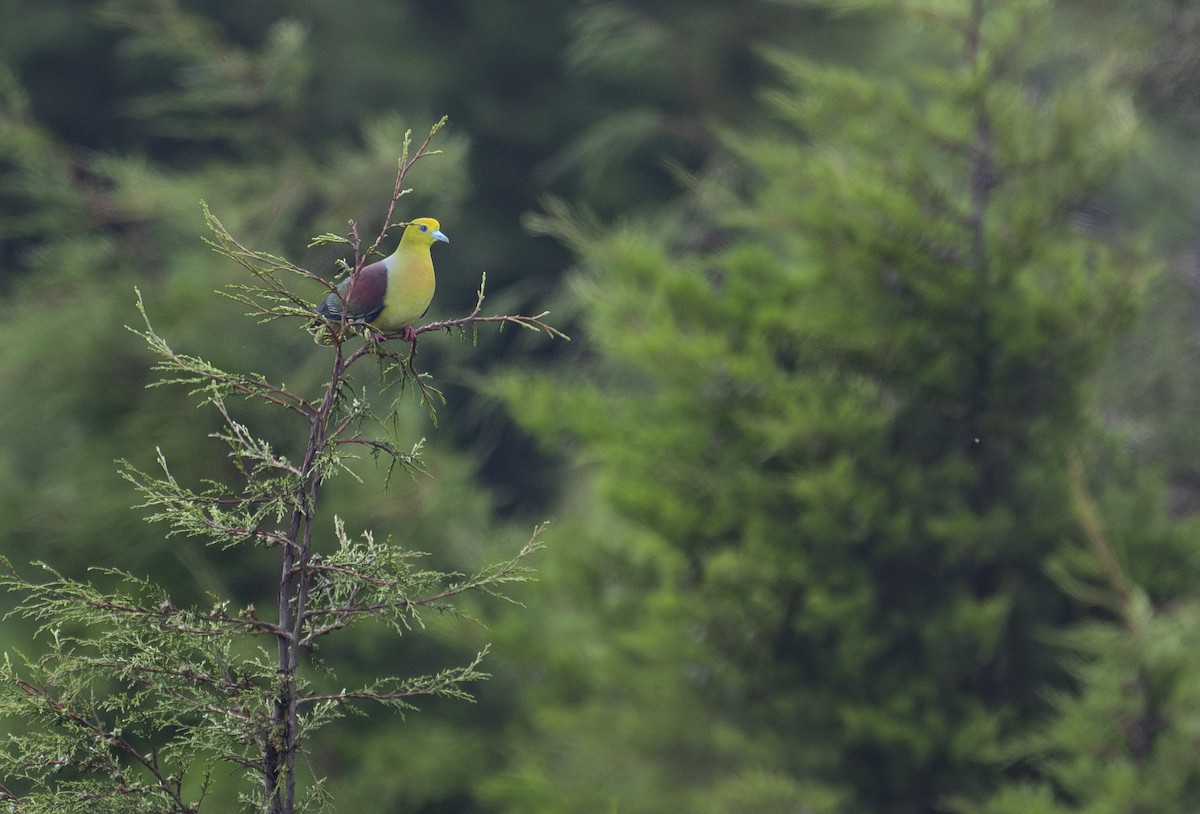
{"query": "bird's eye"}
[(424, 228)]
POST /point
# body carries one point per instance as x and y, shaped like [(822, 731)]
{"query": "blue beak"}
[(437, 235)]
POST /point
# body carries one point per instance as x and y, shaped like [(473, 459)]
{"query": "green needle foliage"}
[(840, 385), (1125, 738), (142, 706)]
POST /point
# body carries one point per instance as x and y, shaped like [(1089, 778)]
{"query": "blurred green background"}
[(872, 464)]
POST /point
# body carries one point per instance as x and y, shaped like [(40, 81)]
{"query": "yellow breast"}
[(410, 285)]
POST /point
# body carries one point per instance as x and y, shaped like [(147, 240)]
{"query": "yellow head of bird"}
[(423, 232)]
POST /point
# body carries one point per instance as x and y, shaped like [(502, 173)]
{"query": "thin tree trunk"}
[(281, 744)]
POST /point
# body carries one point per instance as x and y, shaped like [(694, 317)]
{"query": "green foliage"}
[(134, 693), (1124, 738), (103, 225), (139, 702), (838, 387), (218, 92), (117, 117)]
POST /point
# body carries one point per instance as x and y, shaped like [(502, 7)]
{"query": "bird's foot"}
[(409, 335)]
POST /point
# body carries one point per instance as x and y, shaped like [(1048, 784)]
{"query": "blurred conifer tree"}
[(837, 390)]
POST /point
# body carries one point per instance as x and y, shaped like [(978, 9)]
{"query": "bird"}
[(387, 294)]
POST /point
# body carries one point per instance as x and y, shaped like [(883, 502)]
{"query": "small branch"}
[(160, 620), (404, 165), (473, 319), (113, 738), (533, 323), (141, 675), (253, 447), (444, 683), (1088, 515), (196, 371), (269, 538), (341, 616)]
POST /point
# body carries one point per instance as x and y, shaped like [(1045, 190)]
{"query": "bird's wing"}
[(362, 295)]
